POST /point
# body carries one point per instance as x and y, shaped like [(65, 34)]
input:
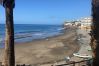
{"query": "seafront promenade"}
[(84, 52), (85, 49)]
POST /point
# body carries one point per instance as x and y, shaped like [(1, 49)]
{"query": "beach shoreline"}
[(64, 32), (48, 50)]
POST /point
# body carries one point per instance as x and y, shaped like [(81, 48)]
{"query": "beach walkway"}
[(84, 52), (84, 41)]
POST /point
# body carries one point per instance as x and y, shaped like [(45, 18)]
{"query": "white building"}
[(86, 23), (86, 20), (68, 24)]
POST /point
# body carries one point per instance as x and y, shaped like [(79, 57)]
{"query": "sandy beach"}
[(47, 50)]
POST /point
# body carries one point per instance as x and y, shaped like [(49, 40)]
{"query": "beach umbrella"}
[(95, 32), (9, 55)]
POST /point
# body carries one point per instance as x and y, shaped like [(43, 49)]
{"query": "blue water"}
[(29, 32)]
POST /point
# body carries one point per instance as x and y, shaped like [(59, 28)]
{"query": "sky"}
[(48, 11)]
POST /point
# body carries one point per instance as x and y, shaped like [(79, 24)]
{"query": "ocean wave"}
[(39, 34), (21, 32), (1, 39), (31, 32), (19, 36), (61, 29), (25, 35)]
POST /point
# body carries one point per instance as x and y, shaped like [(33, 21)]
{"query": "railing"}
[(87, 62), (79, 63)]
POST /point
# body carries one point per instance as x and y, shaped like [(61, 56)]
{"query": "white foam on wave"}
[(39, 34), (61, 28), (1, 39)]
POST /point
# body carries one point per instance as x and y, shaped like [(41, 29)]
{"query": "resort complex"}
[(84, 23)]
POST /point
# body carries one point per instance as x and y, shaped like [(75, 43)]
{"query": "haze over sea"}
[(29, 32)]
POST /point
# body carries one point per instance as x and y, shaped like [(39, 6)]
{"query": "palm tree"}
[(95, 32), (9, 56)]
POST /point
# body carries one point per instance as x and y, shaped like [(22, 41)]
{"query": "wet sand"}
[(46, 50)]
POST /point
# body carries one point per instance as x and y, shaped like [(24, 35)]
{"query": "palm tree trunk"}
[(9, 57), (95, 32)]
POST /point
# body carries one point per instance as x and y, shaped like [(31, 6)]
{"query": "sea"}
[(30, 32)]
